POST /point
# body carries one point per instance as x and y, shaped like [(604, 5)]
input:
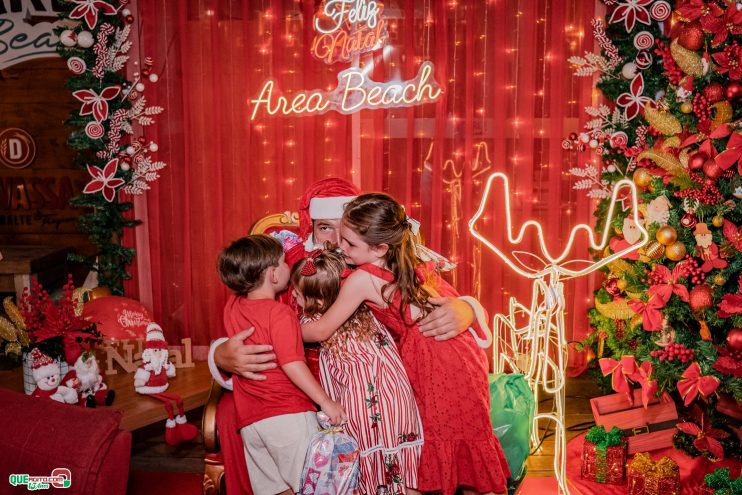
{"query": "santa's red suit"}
[(85, 378)]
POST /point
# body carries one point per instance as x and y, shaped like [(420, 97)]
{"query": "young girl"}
[(361, 369), (449, 377)]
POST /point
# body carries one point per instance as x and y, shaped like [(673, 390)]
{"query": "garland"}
[(95, 42), (672, 123)]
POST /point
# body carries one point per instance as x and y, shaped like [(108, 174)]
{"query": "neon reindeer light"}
[(538, 346)]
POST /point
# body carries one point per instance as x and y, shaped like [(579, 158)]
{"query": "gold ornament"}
[(719, 279), (654, 250), (14, 313), (686, 107), (675, 251), (723, 114), (621, 283), (667, 162), (642, 178), (666, 235), (665, 122), (683, 157), (690, 61), (615, 310), (717, 221), (671, 142)]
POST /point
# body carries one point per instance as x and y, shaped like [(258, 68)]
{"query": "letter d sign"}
[(17, 148)]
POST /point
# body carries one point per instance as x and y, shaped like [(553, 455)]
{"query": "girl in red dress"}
[(449, 377)]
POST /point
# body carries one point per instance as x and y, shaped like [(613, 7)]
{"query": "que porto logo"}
[(17, 148), (345, 29)]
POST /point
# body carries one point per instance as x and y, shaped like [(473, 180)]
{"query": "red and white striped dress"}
[(367, 377)]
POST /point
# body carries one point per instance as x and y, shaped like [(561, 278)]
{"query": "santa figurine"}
[(86, 379), (46, 373), (151, 379), (707, 249)]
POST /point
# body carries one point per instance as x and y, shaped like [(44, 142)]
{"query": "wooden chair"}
[(213, 483)]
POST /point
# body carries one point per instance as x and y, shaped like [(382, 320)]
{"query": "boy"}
[(276, 416)]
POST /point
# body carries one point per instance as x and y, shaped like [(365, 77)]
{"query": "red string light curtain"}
[(509, 98)]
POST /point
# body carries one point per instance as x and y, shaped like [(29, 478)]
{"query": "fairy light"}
[(538, 347)]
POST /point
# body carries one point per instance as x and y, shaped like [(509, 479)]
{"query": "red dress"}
[(449, 379)]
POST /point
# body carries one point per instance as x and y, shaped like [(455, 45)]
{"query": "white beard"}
[(88, 373), (154, 360)]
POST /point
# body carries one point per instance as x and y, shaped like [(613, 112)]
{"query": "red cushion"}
[(40, 435)]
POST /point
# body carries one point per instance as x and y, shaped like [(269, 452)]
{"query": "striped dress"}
[(367, 377)]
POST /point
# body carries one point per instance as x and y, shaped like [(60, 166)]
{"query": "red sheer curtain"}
[(509, 99)]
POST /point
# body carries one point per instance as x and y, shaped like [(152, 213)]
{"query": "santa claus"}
[(85, 378), (46, 373), (151, 379)]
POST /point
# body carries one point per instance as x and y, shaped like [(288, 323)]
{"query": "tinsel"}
[(720, 483), (604, 456), (646, 477)]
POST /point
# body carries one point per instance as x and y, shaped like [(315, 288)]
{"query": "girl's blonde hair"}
[(321, 289), (379, 219)]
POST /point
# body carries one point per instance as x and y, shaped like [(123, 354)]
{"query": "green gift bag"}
[(511, 411)]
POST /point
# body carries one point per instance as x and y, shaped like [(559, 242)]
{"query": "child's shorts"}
[(275, 449)]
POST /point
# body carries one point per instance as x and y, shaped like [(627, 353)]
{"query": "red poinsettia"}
[(698, 9), (728, 363), (730, 61), (732, 154), (729, 23), (733, 235), (706, 437), (104, 180), (667, 283), (95, 103), (630, 12), (731, 304), (88, 9)]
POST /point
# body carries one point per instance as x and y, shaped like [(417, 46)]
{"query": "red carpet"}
[(538, 486), (163, 483)]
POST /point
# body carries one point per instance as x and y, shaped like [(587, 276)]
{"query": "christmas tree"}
[(669, 318)]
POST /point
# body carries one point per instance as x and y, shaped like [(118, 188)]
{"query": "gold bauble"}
[(717, 221), (621, 283), (719, 279), (666, 235), (675, 251), (642, 177), (654, 250), (686, 107), (618, 230)]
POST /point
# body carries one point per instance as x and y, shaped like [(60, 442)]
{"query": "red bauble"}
[(734, 339), (714, 92), (696, 161), (701, 296), (712, 170), (691, 36), (733, 90), (688, 221)]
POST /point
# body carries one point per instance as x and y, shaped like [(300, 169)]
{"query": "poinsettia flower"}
[(95, 103), (731, 304), (88, 9), (630, 12), (733, 234), (698, 9), (633, 101), (706, 437), (727, 365), (729, 61), (729, 23), (104, 180), (668, 283), (732, 154)]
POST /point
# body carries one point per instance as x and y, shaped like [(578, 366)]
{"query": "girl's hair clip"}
[(309, 268)]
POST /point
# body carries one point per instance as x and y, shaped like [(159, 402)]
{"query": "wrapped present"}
[(645, 429), (647, 477), (719, 483), (331, 466), (604, 456)]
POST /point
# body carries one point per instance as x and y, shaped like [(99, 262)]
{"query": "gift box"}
[(647, 477), (604, 456), (719, 483), (644, 429)]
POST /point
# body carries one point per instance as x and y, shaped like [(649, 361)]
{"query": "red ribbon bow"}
[(693, 383), (706, 437), (650, 312), (625, 371)]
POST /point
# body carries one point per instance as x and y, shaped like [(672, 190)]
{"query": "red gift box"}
[(647, 477), (645, 429), (603, 466)]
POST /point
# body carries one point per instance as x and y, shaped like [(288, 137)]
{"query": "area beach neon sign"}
[(345, 29)]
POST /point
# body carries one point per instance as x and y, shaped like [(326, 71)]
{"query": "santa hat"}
[(701, 229), (325, 199), (42, 365), (155, 337)]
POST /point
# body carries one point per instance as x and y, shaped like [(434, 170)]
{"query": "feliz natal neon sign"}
[(346, 28)]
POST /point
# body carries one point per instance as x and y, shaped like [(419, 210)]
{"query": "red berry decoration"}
[(734, 339), (697, 160), (701, 297), (714, 92), (691, 36)]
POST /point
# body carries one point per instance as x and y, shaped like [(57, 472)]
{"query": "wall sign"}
[(22, 40), (17, 148), (345, 29)]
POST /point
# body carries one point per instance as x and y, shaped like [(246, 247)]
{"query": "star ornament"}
[(630, 12), (96, 104), (104, 180), (633, 101), (88, 10)]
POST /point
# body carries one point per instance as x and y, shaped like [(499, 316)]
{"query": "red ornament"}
[(696, 161), (714, 92), (733, 90), (688, 221), (734, 339), (129, 18), (701, 296), (691, 36), (712, 170)]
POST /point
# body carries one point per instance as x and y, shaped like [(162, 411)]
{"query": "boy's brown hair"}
[(243, 263)]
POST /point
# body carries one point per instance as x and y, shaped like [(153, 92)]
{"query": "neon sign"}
[(346, 28)]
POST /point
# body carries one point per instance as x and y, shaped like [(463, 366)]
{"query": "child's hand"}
[(335, 412)]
